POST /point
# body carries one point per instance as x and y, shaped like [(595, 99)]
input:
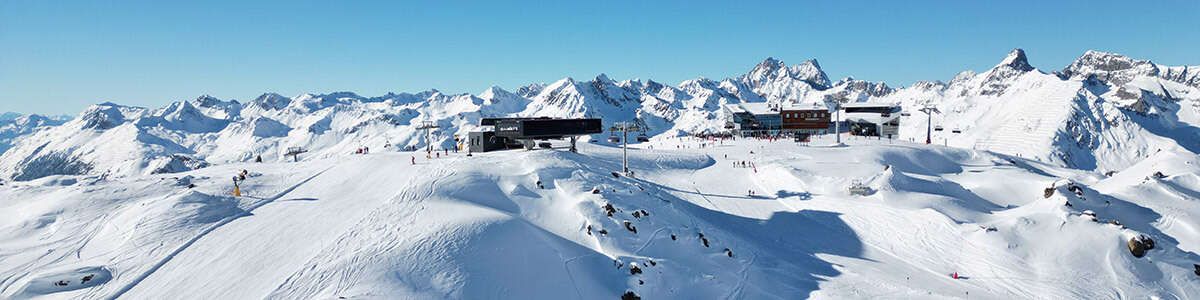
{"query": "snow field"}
[(376, 226)]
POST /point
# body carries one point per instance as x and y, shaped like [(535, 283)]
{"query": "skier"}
[(258, 159), (414, 160)]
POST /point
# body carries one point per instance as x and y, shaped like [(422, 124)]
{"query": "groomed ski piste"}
[(699, 219)]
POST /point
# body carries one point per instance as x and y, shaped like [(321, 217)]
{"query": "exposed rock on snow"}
[(377, 226)]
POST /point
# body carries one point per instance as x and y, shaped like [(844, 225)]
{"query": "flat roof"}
[(809, 106), (869, 117), (757, 108), (868, 104)]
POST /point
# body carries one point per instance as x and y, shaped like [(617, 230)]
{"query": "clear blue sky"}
[(59, 56)]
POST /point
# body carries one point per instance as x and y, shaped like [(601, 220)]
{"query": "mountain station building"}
[(753, 119), (509, 133), (872, 119), (801, 121)]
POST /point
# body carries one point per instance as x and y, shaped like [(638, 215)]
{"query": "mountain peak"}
[(272, 101), (1016, 59), (771, 63), (496, 92), (771, 70), (603, 78), (1000, 77), (1109, 66), (8, 116), (206, 98), (102, 116), (530, 90), (811, 62)]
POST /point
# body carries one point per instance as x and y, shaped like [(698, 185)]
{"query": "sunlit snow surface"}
[(376, 226)]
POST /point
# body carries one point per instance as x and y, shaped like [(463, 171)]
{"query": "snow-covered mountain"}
[(1103, 112), (14, 125), (1031, 212)]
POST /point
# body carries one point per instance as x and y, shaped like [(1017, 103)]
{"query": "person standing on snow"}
[(414, 160)]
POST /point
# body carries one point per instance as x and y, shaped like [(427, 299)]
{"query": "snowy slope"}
[(376, 226)]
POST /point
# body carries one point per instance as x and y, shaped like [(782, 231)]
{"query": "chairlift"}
[(905, 114), (613, 138), (938, 128), (642, 137), (956, 130)]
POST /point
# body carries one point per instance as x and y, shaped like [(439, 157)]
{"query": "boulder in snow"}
[(630, 295), (1137, 247)]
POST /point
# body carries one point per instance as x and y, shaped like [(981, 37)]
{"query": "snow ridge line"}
[(196, 238)]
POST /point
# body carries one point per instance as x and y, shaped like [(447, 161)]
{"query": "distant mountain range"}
[(1102, 112)]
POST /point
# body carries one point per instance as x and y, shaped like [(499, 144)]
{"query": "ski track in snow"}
[(902, 241), (181, 248)]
